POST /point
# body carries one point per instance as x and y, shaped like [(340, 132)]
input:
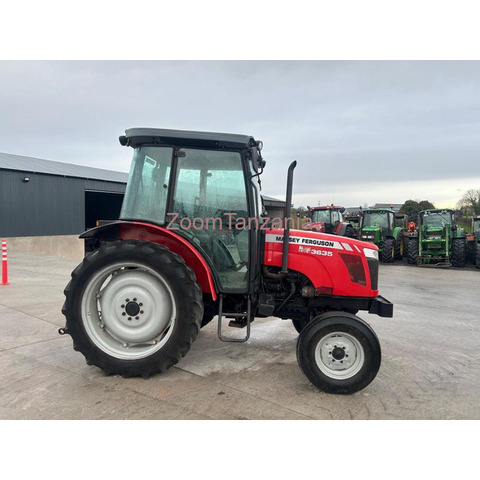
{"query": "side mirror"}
[(257, 161)]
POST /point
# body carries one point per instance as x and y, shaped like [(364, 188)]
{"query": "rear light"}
[(354, 266)]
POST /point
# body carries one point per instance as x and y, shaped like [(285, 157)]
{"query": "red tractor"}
[(153, 278), (329, 219)]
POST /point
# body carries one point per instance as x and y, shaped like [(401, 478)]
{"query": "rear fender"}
[(123, 230)]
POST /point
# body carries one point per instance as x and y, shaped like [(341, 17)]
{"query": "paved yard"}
[(430, 367)]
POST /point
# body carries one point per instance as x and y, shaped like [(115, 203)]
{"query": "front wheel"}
[(133, 308), (339, 353)]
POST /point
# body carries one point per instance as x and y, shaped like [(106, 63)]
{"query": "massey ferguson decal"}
[(314, 242)]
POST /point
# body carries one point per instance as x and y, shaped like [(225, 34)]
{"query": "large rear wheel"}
[(388, 251), (412, 251), (133, 308), (338, 352), (477, 255), (459, 252)]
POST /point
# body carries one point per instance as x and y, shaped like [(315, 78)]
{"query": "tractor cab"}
[(326, 218), (475, 229), (190, 244), (436, 225), (205, 195), (376, 224), (401, 220), (329, 219)]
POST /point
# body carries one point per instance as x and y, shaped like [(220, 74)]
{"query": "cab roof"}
[(326, 207), (378, 210), (437, 210), (139, 136)]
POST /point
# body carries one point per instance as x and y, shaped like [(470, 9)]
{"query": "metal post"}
[(4, 264)]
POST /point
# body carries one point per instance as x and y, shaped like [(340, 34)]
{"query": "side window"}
[(210, 200), (146, 193)]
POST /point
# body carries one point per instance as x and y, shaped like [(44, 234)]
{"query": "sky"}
[(361, 131)]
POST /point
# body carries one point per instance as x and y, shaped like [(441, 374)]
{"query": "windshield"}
[(437, 219), (476, 225), (147, 186), (376, 219), (326, 216)]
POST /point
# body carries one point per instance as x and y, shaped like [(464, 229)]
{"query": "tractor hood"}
[(434, 231), (334, 264), (318, 227), (370, 234)]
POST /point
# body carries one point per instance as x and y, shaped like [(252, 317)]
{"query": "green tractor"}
[(437, 241), (379, 226), (473, 241)]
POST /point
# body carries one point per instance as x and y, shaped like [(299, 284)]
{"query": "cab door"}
[(210, 201)]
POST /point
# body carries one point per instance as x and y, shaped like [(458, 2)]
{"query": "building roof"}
[(391, 206), (273, 201), (9, 161)]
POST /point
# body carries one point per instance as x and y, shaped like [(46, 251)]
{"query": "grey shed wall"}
[(47, 204)]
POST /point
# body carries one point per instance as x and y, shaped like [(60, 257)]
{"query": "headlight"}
[(370, 253)]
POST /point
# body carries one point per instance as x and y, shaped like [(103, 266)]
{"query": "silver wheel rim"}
[(128, 310), (339, 355)]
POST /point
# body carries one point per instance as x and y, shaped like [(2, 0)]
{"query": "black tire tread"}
[(386, 254), (412, 251), (191, 306), (343, 321), (459, 252)]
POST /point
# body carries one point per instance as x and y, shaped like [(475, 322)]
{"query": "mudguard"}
[(126, 230)]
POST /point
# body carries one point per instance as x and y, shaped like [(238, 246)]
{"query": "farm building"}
[(45, 205)]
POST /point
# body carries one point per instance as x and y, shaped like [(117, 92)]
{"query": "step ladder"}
[(247, 315)]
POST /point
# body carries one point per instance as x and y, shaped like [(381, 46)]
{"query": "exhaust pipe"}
[(288, 211)]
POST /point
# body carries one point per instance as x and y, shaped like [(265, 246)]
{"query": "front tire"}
[(339, 353), (133, 308)]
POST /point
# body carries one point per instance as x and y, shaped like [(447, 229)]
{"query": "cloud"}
[(348, 124)]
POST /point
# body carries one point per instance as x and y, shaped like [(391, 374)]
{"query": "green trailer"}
[(437, 240), (379, 226)]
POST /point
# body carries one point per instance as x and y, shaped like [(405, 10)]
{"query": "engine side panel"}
[(323, 259)]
